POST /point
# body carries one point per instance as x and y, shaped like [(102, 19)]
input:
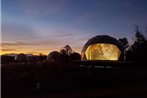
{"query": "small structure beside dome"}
[(21, 57), (54, 56)]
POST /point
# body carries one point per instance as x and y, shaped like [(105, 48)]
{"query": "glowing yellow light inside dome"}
[(102, 52)]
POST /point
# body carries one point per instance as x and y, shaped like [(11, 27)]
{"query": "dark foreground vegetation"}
[(74, 80)]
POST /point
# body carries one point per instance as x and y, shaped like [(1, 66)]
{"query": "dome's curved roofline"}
[(53, 52)]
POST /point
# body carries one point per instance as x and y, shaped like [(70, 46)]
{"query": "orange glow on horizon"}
[(28, 52), (37, 52)]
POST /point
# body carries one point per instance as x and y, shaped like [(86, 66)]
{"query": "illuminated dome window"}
[(102, 52), (102, 47)]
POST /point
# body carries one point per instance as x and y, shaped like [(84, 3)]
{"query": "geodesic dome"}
[(54, 56), (21, 57), (102, 47)]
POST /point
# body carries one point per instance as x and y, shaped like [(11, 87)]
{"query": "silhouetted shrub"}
[(75, 56)]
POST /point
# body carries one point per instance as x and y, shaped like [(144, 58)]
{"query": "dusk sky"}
[(41, 26)]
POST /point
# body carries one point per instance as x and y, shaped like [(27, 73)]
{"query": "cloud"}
[(16, 31), (38, 8), (6, 50), (15, 44), (9, 44)]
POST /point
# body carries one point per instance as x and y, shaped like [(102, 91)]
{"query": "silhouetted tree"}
[(124, 42), (67, 50), (139, 36), (140, 39), (67, 54), (138, 51)]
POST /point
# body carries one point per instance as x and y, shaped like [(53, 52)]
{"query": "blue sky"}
[(34, 26)]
